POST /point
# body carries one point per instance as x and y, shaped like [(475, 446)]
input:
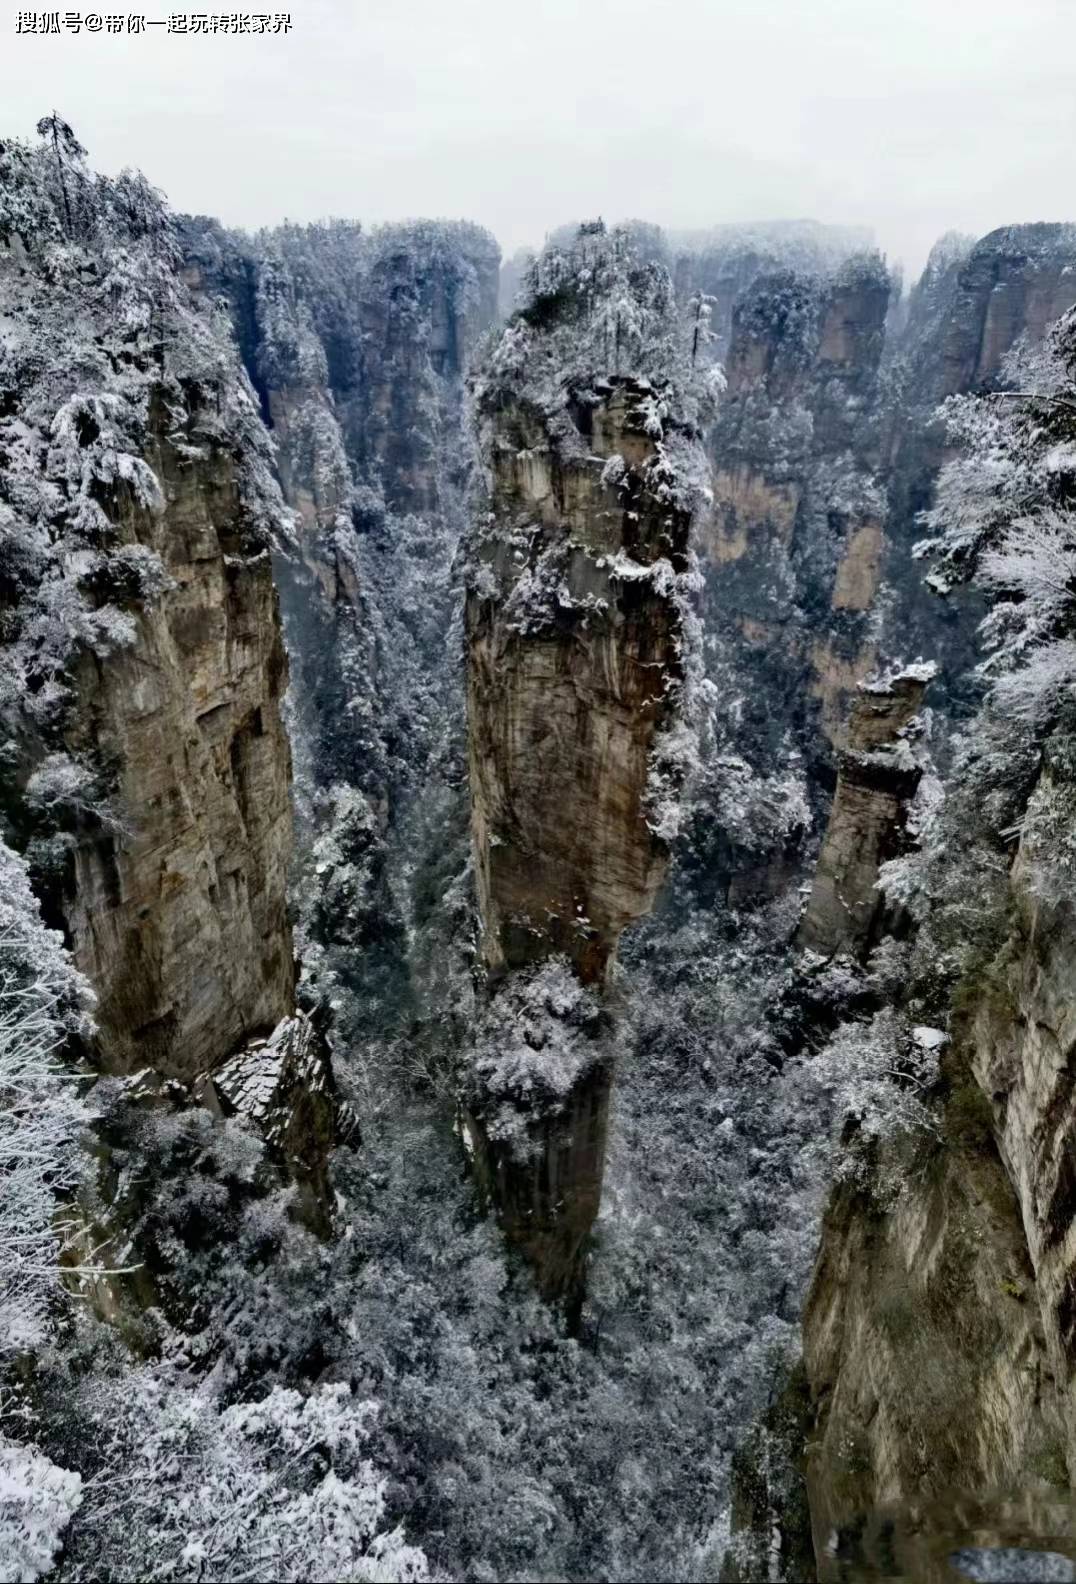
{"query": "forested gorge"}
[(537, 931)]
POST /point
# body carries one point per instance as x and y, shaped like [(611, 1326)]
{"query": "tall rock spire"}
[(577, 676)]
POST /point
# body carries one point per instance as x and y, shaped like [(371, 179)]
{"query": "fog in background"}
[(911, 117)]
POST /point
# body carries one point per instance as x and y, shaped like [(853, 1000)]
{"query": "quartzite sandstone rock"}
[(179, 918), (574, 669)]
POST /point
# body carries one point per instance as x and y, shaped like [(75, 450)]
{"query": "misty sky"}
[(910, 116)]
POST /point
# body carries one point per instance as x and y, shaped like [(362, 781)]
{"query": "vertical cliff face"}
[(573, 669), (939, 1332), (1015, 282), (878, 774), (177, 912), (828, 446), (973, 304), (575, 632), (149, 770), (1022, 1055), (794, 559), (825, 454), (430, 291)]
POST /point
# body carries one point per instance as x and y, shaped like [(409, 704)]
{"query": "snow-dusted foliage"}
[(304, 1396), (531, 1045), (37, 1502), (1015, 453), (276, 1488), (596, 309), (1004, 519), (759, 813), (876, 1075), (42, 1001)]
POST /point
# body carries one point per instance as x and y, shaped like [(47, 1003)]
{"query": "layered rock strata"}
[(572, 664)]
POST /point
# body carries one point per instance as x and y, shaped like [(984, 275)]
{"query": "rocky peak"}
[(147, 771), (575, 629), (574, 643), (1016, 281), (148, 762)]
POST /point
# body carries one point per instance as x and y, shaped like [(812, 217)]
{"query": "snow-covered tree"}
[(43, 1003), (37, 1503), (597, 305), (877, 1076), (278, 1488), (42, 1119)]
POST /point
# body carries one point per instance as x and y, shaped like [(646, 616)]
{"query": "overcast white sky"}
[(910, 116)]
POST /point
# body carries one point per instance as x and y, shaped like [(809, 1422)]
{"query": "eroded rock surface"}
[(575, 632), (573, 663), (145, 769), (878, 775), (178, 917), (283, 1088)]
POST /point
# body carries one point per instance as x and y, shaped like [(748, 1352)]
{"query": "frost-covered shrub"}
[(42, 1119), (541, 1030), (65, 792), (37, 1502), (760, 813), (129, 575), (215, 1258), (876, 1076), (275, 1489)]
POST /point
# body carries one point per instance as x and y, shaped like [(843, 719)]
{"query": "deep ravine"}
[(501, 1129)]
